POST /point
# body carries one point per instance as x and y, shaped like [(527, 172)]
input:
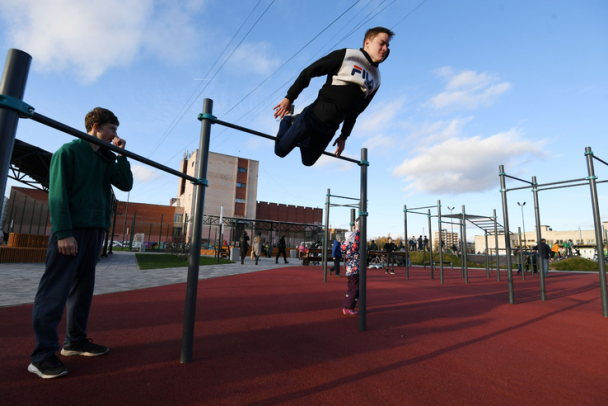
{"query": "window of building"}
[(244, 170), (193, 164), (179, 218), (239, 200), (241, 185)]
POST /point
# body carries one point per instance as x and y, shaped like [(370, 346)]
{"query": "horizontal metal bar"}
[(415, 212), (559, 183), (561, 187), (425, 207), (447, 222), (604, 162), (343, 197), (519, 188), (94, 140), (270, 137), (521, 180), (356, 206)]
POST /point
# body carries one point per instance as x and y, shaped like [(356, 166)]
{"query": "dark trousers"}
[(307, 130), (390, 261), (243, 255), (352, 294), (281, 251), (336, 267), (66, 280)]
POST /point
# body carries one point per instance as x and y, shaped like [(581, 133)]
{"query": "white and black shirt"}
[(352, 81)]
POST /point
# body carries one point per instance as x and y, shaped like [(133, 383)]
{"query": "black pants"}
[(308, 130), (390, 261), (336, 267), (243, 255), (67, 280), (352, 294), (281, 251)]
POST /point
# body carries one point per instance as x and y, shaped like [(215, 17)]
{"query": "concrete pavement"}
[(118, 273)]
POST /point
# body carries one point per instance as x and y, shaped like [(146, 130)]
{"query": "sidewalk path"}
[(118, 273)]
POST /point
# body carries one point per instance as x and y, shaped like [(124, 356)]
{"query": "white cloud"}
[(383, 142), (467, 89), (143, 173), (88, 37), (253, 58), (379, 117), (460, 165), (432, 132)]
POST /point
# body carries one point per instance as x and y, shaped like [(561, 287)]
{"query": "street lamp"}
[(451, 225), (522, 221)]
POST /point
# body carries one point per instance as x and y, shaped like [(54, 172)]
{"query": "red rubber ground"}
[(279, 337)]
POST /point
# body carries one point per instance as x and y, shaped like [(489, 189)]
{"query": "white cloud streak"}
[(143, 173), (460, 165), (467, 90), (88, 37)]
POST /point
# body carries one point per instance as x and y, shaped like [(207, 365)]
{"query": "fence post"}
[(363, 244), (326, 237)]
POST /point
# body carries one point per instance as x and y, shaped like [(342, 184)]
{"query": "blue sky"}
[(469, 85)]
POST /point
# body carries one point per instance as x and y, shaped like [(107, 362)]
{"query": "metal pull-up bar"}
[(591, 180), (208, 118)]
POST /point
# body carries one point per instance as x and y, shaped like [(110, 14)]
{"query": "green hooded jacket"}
[(80, 192)]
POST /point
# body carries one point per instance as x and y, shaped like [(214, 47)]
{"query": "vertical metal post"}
[(10, 216), (464, 245), (326, 238), (160, 230), (598, 230), (14, 79), (363, 244), (115, 206), (496, 246), (461, 246), (195, 247), (105, 245), (46, 223), (505, 215), (32, 218), (407, 243), (149, 234), (40, 219), (541, 274), (167, 236), (521, 256), (23, 214), (487, 257), (430, 244), (440, 241)]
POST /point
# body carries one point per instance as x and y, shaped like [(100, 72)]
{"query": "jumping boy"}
[(81, 175), (353, 78)]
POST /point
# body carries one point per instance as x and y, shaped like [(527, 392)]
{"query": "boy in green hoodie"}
[(80, 192)]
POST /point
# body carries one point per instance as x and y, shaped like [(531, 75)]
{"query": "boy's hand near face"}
[(119, 142), (68, 246)]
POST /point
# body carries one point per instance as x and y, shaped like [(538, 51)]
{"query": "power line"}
[(175, 122)]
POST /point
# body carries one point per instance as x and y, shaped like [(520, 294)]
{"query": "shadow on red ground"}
[(279, 337)]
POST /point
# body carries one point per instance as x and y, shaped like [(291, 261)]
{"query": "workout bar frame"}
[(12, 89), (536, 187), (207, 116)]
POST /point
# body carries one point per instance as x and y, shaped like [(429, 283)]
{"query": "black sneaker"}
[(84, 347), (49, 368)]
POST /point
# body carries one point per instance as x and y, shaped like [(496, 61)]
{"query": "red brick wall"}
[(288, 213)]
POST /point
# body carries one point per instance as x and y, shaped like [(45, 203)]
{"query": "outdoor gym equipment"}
[(12, 108), (590, 180)]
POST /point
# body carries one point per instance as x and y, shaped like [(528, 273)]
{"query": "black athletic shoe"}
[(84, 347), (49, 368)]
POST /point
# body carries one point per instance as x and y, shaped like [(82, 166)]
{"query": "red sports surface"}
[(279, 337)]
